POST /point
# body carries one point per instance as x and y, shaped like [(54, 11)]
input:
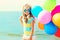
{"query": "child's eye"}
[(25, 10), (29, 10)]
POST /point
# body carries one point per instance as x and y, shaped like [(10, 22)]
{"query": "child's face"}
[(26, 10), (27, 13)]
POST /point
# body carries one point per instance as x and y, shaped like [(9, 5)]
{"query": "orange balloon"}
[(56, 19), (40, 26)]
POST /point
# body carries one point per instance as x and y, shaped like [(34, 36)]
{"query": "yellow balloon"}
[(56, 19)]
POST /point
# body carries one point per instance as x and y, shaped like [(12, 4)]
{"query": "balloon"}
[(36, 10), (57, 34), (50, 28), (56, 19), (40, 26), (56, 10), (44, 17), (49, 5)]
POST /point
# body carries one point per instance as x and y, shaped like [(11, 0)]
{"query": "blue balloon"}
[(36, 10), (50, 28)]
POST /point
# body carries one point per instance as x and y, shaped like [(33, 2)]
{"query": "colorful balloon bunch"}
[(48, 21)]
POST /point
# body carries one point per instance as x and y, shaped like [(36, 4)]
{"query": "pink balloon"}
[(44, 17), (56, 10)]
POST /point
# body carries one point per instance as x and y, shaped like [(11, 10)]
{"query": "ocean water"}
[(11, 29), (9, 22)]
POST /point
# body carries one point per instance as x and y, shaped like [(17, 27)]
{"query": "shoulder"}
[(32, 18)]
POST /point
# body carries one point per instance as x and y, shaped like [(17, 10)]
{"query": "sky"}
[(16, 5)]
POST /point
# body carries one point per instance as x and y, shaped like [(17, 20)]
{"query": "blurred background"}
[(10, 27)]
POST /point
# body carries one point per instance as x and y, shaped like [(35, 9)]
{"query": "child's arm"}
[(32, 24), (21, 20)]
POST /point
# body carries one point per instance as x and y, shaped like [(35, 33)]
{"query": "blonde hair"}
[(27, 7)]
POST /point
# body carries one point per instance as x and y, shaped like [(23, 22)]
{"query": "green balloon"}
[(49, 5)]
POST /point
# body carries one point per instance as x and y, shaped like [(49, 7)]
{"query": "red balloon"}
[(56, 10), (57, 34)]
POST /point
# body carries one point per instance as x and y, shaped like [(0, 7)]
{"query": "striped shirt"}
[(27, 27)]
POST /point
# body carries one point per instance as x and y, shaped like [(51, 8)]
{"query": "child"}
[(27, 20)]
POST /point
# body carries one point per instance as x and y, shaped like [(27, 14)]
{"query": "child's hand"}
[(21, 17), (21, 20)]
